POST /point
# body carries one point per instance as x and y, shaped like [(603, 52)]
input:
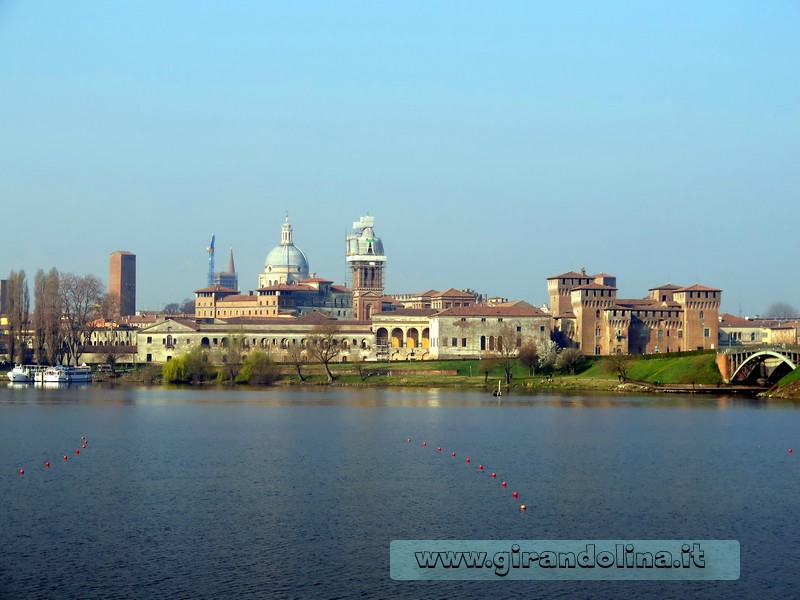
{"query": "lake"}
[(297, 493)]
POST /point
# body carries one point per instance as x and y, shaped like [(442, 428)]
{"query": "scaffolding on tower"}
[(210, 250)]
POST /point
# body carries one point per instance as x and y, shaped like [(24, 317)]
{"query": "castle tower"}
[(367, 261), (700, 327), (122, 282)]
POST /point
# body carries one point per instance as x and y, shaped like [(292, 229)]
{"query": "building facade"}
[(670, 318), (367, 262)]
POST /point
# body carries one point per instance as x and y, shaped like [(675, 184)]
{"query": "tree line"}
[(65, 310)]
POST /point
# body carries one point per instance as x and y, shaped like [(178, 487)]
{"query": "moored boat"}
[(25, 373), (59, 374)]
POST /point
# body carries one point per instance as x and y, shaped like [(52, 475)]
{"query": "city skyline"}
[(494, 145)]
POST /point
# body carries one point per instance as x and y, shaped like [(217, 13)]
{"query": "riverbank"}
[(695, 373)]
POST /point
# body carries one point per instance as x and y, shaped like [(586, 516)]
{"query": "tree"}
[(38, 320), (187, 306), (82, 299), (259, 369), (295, 356), (570, 359), (619, 365), (173, 308), (781, 310), (51, 317), (17, 308), (507, 350), (486, 366), (529, 356), (232, 356), (325, 347), (359, 365), (548, 353)]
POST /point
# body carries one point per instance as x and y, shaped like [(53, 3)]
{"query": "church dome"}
[(285, 255), (285, 263)]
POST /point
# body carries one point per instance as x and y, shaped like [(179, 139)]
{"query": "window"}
[(541, 328), (706, 332), (149, 339), (680, 334), (463, 319), (463, 342), (149, 358), (519, 328), (454, 342), (701, 315), (500, 320)]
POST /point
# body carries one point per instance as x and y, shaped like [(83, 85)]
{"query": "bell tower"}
[(367, 261)]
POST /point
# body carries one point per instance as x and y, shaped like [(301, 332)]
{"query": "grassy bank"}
[(595, 374)]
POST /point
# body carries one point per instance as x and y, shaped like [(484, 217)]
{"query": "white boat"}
[(26, 373), (61, 374)]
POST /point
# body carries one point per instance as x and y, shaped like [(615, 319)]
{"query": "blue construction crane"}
[(210, 251)]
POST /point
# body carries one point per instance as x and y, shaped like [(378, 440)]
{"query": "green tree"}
[(174, 371), (259, 369), (196, 368), (234, 347)]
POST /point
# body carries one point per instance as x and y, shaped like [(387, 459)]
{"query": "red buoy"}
[(480, 467), (424, 443), (408, 440), (515, 494), (77, 451), (790, 450), (65, 457), (504, 484), (439, 448), (494, 475), (454, 453), (467, 460), (47, 464), (22, 471)]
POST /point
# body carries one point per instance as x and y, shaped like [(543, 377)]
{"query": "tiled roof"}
[(698, 288), (286, 287), (407, 312), (593, 286), (668, 286), (216, 288), (315, 280), (571, 275), (239, 298), (453, 292), (483, 310)]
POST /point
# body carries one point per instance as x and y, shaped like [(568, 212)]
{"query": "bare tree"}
[(295, 356), (51, 317), (187, 306), (570, 359), (486, 366), (232, 355), (38, 319), (781, 310), (507, 350), (325, 346), (529, 356), (81, 299), (619, 365), (17, 309)]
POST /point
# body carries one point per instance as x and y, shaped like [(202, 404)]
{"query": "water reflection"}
[(365, 397)]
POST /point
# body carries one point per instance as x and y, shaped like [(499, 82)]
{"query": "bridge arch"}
[(752, 365)]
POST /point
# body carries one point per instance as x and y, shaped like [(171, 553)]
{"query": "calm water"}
[(285, 493)]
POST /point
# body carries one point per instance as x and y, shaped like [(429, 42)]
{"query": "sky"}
[(496, 144)]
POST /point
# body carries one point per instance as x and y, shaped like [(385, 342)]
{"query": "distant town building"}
[(285, 263), (122, 282), (229, 278), (367, 261), (588, 314)]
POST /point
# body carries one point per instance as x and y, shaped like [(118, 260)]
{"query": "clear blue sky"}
[(495, 143)]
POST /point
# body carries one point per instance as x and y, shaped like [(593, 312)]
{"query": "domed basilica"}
[(285, 263)]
